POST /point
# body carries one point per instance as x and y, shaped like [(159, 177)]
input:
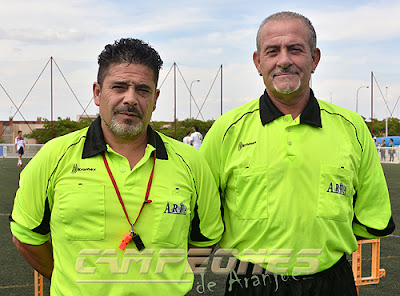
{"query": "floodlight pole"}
[(51, 95), (357, 96), (221, 89), (175, 99), (387, 117), (372, 103)]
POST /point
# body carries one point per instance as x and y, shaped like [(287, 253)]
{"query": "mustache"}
[(128, 109), (286, 71)]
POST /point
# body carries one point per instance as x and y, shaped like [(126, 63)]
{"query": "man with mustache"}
[(299, 178), (120, 201)]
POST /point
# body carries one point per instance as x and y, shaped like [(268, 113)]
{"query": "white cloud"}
[(355, 40), (372, 21), (152, 22), (47, 35)]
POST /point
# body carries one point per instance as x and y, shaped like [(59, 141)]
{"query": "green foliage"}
[(182, 127), (379, 127), (60, 127), (65, 126)]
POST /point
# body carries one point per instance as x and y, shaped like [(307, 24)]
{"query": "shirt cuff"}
[(27, 236), (361, 230)]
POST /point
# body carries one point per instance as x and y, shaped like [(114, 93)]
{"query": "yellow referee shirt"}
[(66, 192), (296, 191)]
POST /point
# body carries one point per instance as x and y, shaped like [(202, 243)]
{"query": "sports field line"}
[(16, 286), (389, 257), (393, 235), (1, 214), (385, 257)]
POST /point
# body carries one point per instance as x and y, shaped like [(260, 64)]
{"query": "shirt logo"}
[(76, 169), (175, 209), (337, 188), (241, 145)]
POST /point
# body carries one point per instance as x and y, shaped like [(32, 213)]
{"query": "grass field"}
[(16, 276)]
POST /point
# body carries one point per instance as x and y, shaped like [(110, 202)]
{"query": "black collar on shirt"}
[(96, 144), (310, 115)]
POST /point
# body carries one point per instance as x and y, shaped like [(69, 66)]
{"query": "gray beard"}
[(287, 90), (126, 129)]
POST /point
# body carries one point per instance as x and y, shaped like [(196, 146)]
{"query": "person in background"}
[(383, 151), (391, 150), (118, 199), (19, 147), (376, 142), (196, 138), (186, 139), (299, 178)]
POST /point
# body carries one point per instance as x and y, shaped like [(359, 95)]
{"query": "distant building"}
[(9, 129), (80, 117)]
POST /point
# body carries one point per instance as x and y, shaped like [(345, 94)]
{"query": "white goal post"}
[(8, 150)]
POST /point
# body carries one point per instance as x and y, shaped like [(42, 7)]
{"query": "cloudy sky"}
[(355, 38)]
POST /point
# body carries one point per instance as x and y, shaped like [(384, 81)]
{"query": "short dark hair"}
[(19, 132), (196, 128), (284, 15), (128, 50)]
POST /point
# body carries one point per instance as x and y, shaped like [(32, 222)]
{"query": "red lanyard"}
[(146, 198)]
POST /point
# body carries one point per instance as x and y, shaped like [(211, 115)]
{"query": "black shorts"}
[(335, 281), (21, 150)]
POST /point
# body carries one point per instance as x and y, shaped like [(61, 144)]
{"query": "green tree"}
[(182, 127), (394, 127), (379, 127), (65, 126), (60, 127)]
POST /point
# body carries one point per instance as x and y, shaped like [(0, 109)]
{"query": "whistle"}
[(138, 241), (127, 238)]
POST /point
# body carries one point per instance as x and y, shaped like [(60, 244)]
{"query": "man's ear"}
[(316, 57), (157, 94), (256, 60), (96, 93)]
